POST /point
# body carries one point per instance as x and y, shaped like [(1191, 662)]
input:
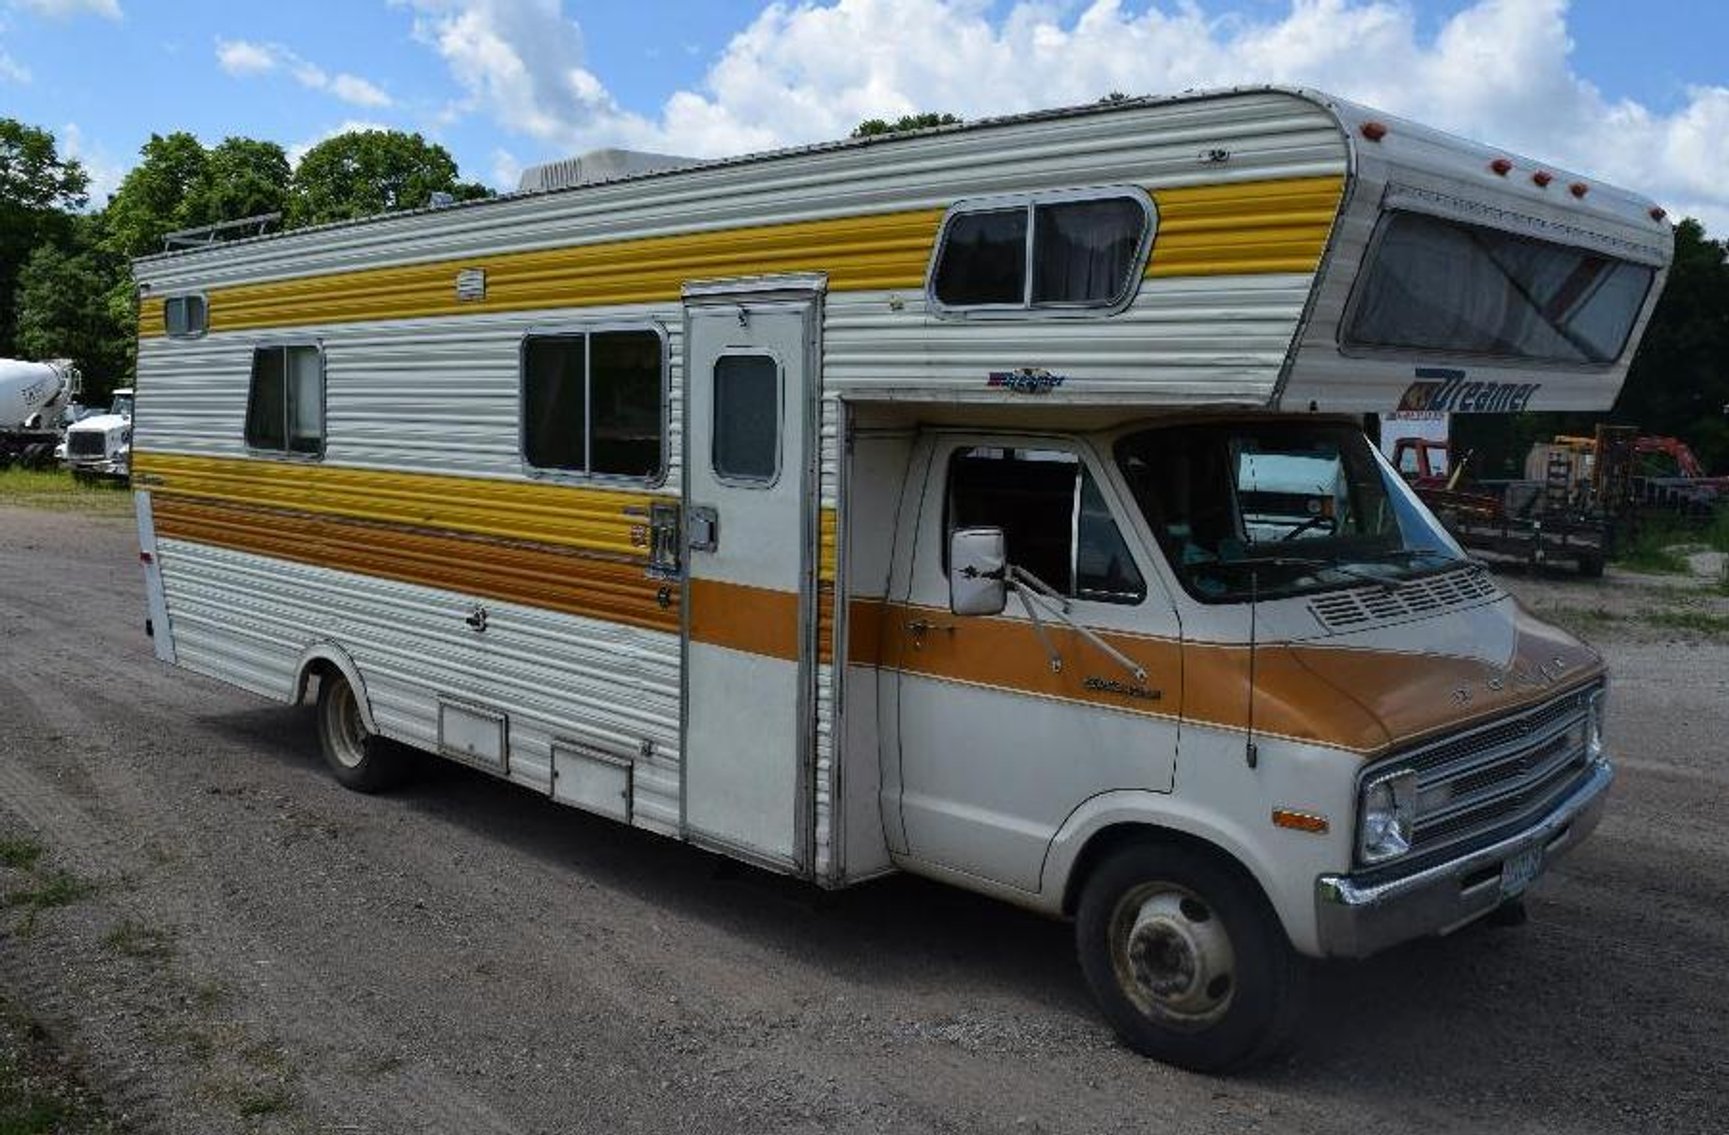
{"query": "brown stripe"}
[(1350, 698), (756, 620), (552, 578)]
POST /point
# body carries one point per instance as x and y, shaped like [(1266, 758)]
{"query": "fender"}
[(337, 657), (1150, 810)]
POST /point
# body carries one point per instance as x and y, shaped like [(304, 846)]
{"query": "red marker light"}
[(1542, 178), (1374, 131), (1658, 212), (1579, 189), (145, 558), (1501, 166)]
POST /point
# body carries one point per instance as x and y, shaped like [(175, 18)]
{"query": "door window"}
[(747, 419), (1054, 519)]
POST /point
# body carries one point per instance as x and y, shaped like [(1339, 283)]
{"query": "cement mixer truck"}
[(33, 399)]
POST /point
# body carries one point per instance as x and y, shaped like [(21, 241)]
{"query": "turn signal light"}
[(1300, 821)]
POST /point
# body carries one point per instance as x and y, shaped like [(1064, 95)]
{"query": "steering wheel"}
[(1312, 522)]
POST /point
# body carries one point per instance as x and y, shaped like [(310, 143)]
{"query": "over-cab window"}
[(1055, 521), (1446, 287), (1039, 252), (285, 402), (185, 317), (593, 402)]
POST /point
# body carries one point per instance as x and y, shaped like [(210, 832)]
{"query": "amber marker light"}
[(1300, 821)]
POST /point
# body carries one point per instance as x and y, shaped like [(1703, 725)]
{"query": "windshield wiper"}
[(1414, 554), (1307, 562)]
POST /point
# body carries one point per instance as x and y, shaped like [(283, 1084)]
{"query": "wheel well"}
[(1107, 841), (315, 668)]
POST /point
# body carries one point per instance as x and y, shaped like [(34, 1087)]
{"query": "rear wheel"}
[(359, 758), (1186, 958)]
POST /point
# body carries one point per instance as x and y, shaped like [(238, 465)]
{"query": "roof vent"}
[(596, 166)]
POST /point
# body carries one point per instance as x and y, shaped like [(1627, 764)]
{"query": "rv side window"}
[(747, 419), (185, 317), (1053, 516), (285, 402), (1042, 252), (593, 403)]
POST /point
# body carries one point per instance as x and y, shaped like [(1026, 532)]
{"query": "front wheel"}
[(359, 758), (1186, 958)]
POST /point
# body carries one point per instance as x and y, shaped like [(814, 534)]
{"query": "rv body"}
[(660, 496)]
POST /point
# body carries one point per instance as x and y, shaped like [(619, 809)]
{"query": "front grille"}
[(1361, 607), (1499, 775), (86, 443)]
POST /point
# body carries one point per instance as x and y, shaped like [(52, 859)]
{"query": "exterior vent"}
[(471, 284), (1362, 607), (597, 166)]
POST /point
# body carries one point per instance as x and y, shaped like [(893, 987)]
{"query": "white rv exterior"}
[(654, 495)]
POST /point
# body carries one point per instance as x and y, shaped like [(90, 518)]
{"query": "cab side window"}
[(1053, 516)]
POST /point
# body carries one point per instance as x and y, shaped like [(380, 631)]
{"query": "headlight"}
[(1386, 816), (1594, 727)]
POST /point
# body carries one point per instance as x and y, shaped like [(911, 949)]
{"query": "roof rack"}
[(222, 230)]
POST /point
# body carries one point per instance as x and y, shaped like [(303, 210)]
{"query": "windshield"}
[(122, 404), (1279, 507)]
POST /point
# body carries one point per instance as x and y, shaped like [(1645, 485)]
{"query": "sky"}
[(1634, 94)]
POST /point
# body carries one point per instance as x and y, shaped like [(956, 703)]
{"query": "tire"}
[(1186, 958), (360, 760)]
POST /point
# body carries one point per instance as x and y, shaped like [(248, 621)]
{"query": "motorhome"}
[(988, 502)]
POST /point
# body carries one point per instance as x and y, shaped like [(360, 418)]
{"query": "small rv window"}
[(1053, 516), (594, 403), (747, 418), (285, 402), (185, 317), (1083, 252)]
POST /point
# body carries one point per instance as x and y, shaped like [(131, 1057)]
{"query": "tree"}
[(366, 172), (872, 127), (37, 189), (76, 301), (243, 177), (157, 196)]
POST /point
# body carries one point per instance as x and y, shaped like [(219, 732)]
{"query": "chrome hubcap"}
[(347, 730), (1173, 956)]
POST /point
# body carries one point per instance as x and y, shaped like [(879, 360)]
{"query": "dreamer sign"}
[(1443, 390)]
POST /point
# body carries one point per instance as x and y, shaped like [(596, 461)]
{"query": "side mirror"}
[(978, 571)]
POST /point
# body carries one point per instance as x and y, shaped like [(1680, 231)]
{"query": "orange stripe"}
[(536, 576), (756, 620), (1349, 698)]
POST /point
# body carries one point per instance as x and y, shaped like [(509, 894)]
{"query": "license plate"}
[(1518, 871)]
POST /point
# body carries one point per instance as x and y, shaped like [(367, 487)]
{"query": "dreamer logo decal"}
[(1025, 380), (1441, 390)]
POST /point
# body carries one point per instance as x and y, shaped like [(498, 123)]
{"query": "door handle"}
[(921, 627)]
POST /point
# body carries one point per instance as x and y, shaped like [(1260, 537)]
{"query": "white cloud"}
[(245, 59), (11, 71), (62, 9), (105, 173), (1498, 70)]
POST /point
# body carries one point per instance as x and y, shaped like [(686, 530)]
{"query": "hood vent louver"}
[(1360, 607)]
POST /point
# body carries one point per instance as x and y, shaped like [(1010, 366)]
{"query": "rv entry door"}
[(750, 530)]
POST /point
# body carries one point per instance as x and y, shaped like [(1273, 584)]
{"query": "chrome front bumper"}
[(1357, 919)]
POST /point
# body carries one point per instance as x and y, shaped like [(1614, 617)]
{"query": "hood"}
[(1371, 691), (102, 422)]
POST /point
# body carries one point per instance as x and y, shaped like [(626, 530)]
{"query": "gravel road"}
[(259, 950)]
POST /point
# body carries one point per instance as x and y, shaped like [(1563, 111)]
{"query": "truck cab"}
[(101, 444)]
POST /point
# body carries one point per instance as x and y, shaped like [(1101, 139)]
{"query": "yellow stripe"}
[(1236, 228), (1245, 229), (597, 520)]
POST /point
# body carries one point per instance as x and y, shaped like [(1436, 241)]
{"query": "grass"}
[(62, 888), (269, 1102), (58, 490), (1655, 549), (40, 1092), (138, 941), (1699, 622), (19, 853)]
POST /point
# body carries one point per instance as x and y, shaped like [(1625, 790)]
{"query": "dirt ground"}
[(224, 940)]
